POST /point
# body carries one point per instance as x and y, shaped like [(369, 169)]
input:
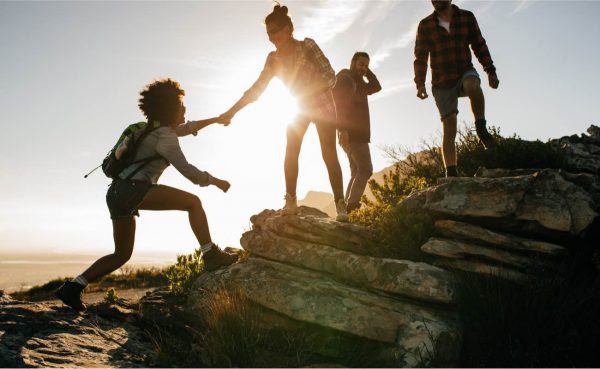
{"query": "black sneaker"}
[(485, 137), (215, 258), (70, 294)]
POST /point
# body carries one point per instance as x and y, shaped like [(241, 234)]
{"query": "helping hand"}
[(224, 119)]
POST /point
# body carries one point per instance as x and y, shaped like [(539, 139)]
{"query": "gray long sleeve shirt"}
[(164, 141)]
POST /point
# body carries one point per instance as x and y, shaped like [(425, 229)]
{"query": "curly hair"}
[(280, 16), (161, 100)]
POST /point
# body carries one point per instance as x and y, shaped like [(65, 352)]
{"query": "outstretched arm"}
[(253, 93), (193, 126)]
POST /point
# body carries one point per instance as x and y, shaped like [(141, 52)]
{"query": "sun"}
[(278, 103)]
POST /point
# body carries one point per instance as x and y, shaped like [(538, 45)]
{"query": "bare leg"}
[(124, 236), (448, 147), (472, 88), (327, 138), (168, 198), (295, 134)]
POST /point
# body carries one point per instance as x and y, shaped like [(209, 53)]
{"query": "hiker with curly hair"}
[(305, 70), (161, 102)]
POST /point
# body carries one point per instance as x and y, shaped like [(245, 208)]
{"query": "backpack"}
[(123, 152)]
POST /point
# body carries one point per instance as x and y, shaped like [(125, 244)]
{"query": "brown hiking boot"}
[(70, 294), (216, 258)]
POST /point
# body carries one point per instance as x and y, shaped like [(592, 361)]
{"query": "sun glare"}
[(280, 103)]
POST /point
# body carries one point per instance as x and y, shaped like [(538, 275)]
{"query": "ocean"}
[(25, 271)]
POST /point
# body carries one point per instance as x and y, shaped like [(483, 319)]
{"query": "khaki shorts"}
[(446, 99)]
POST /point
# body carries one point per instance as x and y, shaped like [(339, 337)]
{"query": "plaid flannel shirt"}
[(308, 74), (449, 51)]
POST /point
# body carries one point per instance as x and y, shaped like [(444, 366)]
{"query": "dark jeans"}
[(361, 169)]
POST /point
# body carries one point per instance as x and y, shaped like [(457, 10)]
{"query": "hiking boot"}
[(484, 136), (70, 294), (290, 204), (216, 258), (342, 212)]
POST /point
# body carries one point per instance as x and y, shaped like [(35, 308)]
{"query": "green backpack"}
[(123, 152)]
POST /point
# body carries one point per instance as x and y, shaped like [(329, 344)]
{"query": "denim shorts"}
[(125, 196), (446, 99)]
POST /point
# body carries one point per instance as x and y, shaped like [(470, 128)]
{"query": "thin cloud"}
[(522, 6), (330, 18), (389, 46), (393, 88), (379, 11)]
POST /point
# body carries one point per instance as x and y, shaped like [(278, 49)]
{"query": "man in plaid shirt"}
[(445, 37)]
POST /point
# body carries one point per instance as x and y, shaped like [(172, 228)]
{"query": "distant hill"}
[(324, 200)]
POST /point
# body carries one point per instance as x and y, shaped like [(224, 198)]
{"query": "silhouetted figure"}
[(160, 102), (304, 69), (351, 99), (445, 37)]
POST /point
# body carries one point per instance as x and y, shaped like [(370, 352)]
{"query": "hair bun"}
[(279, 9)]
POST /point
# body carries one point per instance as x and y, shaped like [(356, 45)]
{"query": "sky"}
[(71, 72)]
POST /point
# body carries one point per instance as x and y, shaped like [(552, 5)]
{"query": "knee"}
[(194, 203), (123, 256)]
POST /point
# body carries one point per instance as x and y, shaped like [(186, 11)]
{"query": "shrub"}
[(184, 272), (510, 153), (111, 296), (399, 233), (552, 322), (234, 337)]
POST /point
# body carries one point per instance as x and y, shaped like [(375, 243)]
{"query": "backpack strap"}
[(137, 143), (144, 161)]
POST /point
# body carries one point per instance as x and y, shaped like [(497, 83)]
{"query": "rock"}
[(543, 203), (417, 281), (582, 153), (45, 335), (315, 298), (482, 269), (451, 249), (465, 231), (314, 226)]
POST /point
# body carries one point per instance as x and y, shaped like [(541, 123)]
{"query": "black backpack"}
[(122, 155)]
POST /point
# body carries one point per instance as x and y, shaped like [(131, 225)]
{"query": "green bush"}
[(399, 233), (111, 296), (509, 153), (184, 272)]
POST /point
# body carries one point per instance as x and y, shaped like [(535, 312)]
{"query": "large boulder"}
[(543, 203), (310, 269), (311, 297)]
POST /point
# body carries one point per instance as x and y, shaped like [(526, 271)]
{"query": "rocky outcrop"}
[(311, 269), (543, 203), (48, 335), (582, 153)]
